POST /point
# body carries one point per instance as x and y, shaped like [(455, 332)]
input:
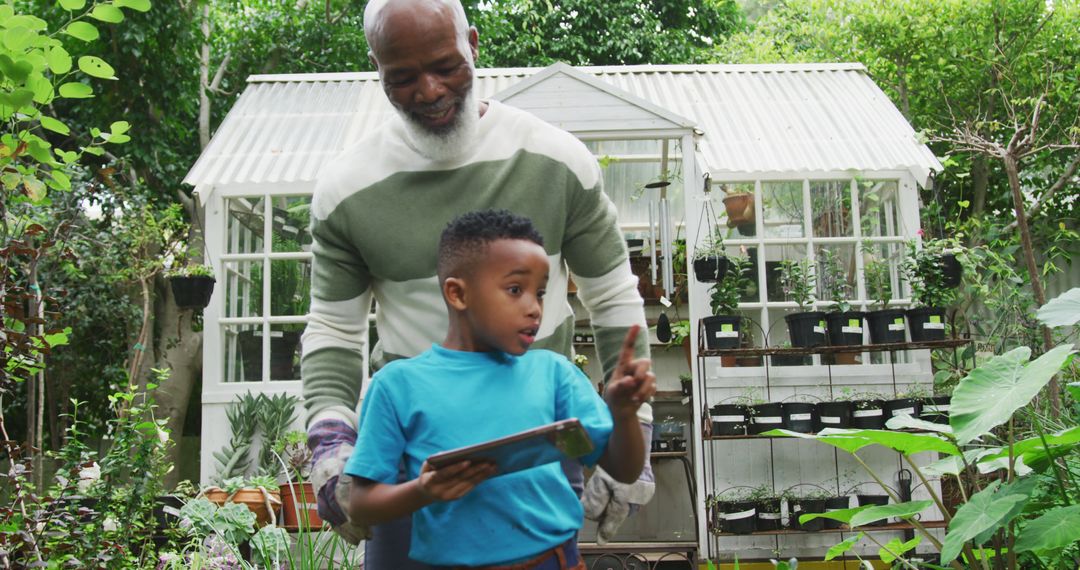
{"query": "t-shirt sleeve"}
[(577, 398), (380, 442)]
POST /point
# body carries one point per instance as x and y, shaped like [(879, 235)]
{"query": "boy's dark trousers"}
[(563, 557)]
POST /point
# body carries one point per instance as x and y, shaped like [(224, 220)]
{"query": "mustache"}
[(438, 106)]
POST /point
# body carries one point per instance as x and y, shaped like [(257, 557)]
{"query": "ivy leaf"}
[(54, 125), (82, 30), (59, 60), (990, 394), (72, 5), (841, 548), (138, 5), (107, 13), (1055, 529), (76, 90), (96, 67), (1061, 311)]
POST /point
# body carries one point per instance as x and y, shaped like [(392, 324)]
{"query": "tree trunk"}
[(1012, 169)]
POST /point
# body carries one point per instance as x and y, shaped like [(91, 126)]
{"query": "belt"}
[(563, 557)]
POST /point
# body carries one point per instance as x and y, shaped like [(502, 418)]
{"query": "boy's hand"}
[(453, 481), (632, 383)]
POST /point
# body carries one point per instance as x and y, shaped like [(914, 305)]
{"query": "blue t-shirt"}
[(444, 399)]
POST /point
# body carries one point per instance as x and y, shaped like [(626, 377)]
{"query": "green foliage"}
[(879, 281), (1061, 311), (724, 295), (197, 270), (834, 280), (712, 245), (924, 273), (798, 280)]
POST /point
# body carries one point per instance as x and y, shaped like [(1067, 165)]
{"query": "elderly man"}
[(376, 217)]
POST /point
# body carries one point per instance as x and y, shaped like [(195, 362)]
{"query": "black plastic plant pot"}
[(951, 270), (886, 326), (721, 332), (845, 329), (801, 417), (875, 500), (790, 360), (806, 329), (738, 517), (836, 504), (936, 410), (729, 419), (710, 269), (768, 514), (901, 406), (765, 417), (926, 323), (799, 507), (834, 414), (192, 292), (868, 414)]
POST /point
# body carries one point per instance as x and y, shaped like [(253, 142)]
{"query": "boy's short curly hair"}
[(467, 236)]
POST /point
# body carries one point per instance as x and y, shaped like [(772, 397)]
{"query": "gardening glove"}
[(609, 502), (331, 443)]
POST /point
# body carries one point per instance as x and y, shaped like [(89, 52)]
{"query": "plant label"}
[(798, 417), (866, 413)]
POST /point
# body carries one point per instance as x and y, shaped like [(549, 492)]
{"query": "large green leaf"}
[(983, 511), (908, 443), (842, 515), (841, 548), (880, 513), (990, 394), (896, 548), (1061, 311), (107, 13), (83, 31), (904, 421), (96, 67), (1020, 488), (76, 90), (835, 437), (1034, 454), (1057, 528)]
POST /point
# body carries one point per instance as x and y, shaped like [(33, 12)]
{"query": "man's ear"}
[(474, 41), (371, 58), (454, 292)]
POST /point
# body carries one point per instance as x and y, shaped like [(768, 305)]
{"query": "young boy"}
[(482, 383)]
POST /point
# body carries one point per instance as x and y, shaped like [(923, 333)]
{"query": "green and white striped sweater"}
[(377, 214)]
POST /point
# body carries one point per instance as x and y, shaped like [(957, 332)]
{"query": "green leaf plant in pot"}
[(798, 280), (722, 329), (886, 325), (299, 508), (843, 325), (930, 290), (192, 285), (710, 259)]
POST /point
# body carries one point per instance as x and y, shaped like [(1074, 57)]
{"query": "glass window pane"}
[(736, 210), (244, 225), (830, 208), (291, 222), (782, 206), (285, 351), (776, 256), (627, 166), (290, 287), (836, 272), (243, 288), (243, 353), (879, 208), (881, 273)]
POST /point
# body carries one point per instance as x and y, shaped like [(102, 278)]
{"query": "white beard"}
[(451, 143)]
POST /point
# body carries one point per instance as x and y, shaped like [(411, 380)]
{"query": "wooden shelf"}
[(803, 351), (880, 528)]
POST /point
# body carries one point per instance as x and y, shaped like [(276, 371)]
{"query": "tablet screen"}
[(524, 450)]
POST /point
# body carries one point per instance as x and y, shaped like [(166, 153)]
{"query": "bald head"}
[(383, 17)]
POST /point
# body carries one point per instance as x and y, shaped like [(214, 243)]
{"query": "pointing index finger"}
[(626, 354)]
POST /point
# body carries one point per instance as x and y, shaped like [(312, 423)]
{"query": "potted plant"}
[(800, 416), (299, 508), (836, 413), (886, 325), (868, 412), (735, 512), (765, 416), (192, 285), (791, 359), (722, 328), (936, 409), (925, 273), (907, 402), (680, 336), (767, 504), (729, 419), (258, 493), (844, 325), (710, 258), (805, 502), (799, 281)]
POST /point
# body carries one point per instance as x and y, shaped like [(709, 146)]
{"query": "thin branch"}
[(1064, 180)]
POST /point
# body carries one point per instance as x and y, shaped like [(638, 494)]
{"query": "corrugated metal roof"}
[(753, 119)]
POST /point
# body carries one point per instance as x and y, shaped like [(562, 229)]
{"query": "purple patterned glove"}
[(609, 502), (331, 443)]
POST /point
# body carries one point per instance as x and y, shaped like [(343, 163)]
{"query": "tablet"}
[(524, 450)]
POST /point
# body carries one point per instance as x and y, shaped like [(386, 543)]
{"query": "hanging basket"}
[(710, 269), (192, 292), (739, 208)]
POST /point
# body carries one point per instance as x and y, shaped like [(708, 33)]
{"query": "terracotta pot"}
[(253, 499), (298, 499), (740, 209)]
